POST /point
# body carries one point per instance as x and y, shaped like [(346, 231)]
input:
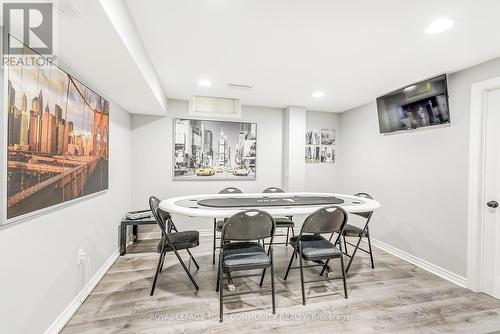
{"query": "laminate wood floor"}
[(395, 297)]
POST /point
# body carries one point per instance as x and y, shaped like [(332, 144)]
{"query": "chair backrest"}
[(368, 214), (365, 195), (329, 219), (248, 225), (163, 218), (273, 190), (230, 190)]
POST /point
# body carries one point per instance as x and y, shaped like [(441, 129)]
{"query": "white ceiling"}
[(354, 51), (89, 47)]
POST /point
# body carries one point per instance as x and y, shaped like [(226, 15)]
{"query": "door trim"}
[(476, 182)]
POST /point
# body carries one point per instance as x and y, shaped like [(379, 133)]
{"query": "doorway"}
[(483, 258)]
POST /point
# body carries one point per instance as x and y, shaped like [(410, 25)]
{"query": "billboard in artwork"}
[(205, 150), (57, 136)]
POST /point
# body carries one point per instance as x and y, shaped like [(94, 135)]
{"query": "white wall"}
[(38, 257), (294, 172), (419, 177), (322, 177), (152, 157)]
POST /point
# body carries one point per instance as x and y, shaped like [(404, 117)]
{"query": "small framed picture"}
[(312, 154), (328, 136), (312, 137), (327, 154)]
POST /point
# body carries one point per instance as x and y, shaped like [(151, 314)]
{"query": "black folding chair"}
[(360, 233), (311, 246), (241, 250), (172, 241), (282, 222), (218, 223)]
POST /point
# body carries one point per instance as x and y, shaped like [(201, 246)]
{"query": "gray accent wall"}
[(420, 177)]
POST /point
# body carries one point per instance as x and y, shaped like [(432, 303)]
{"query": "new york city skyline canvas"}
[(206, 149), (58, 139)]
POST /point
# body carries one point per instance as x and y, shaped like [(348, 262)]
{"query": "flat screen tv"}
[(418, 105)]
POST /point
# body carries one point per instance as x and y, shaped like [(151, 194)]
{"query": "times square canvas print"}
[(58, 139), (206, 149)]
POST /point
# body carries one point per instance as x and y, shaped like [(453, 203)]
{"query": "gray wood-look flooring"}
[(395, 297)]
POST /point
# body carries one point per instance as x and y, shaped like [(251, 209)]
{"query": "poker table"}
[(276, 204)]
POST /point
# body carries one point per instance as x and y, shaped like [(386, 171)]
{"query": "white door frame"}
[(475, 217)]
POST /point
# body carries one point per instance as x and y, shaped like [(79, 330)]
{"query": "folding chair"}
[(282, 222), (309, 245), (218, 223), (172, 241), (360, 233), (241, 250)]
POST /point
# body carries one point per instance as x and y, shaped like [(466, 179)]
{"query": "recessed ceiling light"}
[(410, 88), (205, 83), (318, 94), (439, 25)]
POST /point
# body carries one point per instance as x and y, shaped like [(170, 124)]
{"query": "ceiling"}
[(88, 46), (354, 51)]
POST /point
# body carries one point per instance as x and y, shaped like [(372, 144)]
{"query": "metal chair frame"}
[(274, 190), (228, 190), (365, 234), (166, 224), (227, 236), (318, 230)]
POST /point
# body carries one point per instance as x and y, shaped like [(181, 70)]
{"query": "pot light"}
[(205, 83), (439, 25), (410, 88), (318, 94)]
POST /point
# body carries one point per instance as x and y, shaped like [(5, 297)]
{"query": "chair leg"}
[(343, 274), (287, 232), (163, 256), (186, 270), (160, 261), (324, 267), (353, 254), (221, 289), (218, 276), (194, 260), (302, 280), (262, 277), (269, 250), (289, 265), (215, 241), (345, 245), (293, 234), (272, 282), (370, 248)]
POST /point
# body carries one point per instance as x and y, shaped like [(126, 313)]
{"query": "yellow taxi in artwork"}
[(205, 171)]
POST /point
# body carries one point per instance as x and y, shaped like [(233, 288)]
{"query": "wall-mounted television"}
[(415, 106)]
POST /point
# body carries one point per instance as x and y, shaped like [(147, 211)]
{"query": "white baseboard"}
[(432, 268), (71, 309)]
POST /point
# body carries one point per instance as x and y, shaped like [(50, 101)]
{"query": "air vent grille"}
[(215, 107), (239, 86)]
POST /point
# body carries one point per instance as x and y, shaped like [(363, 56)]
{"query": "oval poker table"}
[(276, 204)]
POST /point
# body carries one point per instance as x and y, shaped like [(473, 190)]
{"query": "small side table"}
[(134, 223)]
